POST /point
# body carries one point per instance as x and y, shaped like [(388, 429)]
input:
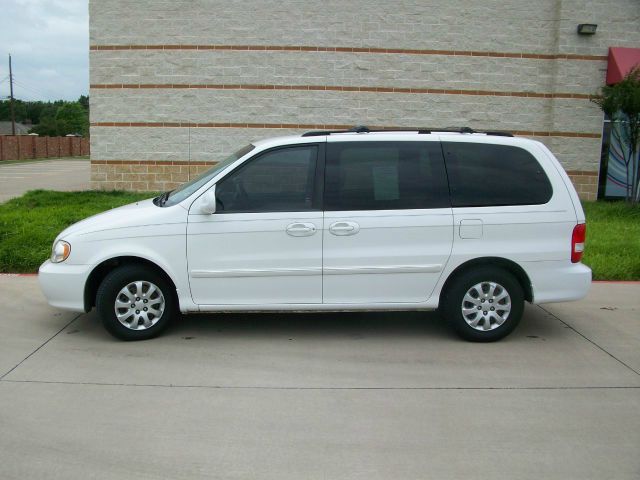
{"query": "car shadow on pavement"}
[(536, 324), (352, 325), (334, 324)]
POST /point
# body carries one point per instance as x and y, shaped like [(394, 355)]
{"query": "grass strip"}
[(30, 223), (613, 240)]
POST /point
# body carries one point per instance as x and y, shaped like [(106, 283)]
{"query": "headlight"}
[(60, 251)]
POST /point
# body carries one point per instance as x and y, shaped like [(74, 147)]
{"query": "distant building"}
[(5, 128), (185, 83)]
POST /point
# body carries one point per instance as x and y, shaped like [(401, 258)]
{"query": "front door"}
[(264, 243), (388, 224)]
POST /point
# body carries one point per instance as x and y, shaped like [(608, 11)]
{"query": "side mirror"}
[(207, 202)]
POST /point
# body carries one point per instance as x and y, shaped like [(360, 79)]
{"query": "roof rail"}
[(364, 129), (495, 133), (318, 133)]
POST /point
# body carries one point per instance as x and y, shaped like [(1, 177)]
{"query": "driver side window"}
[(281, 180)]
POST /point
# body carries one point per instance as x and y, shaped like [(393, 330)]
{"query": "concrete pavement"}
[(334, 396), (58, 174)]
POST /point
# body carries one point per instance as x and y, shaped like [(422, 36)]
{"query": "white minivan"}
[(472, 224)]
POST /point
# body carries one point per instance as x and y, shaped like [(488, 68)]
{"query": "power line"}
[(25, 97), (22, 95), (31, 86), (31, 89)]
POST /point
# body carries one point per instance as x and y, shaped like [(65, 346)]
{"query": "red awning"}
[(621, 61)]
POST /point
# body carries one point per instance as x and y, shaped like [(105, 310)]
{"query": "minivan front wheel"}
[(484, 304), (134, 303)]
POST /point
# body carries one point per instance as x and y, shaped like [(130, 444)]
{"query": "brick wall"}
[(143, 175), (9, 147), (181, 80), (41, 147), (586, 183), (53, 147), (26, 146), (21, 147)]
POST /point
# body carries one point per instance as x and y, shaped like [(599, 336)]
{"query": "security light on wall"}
[(587, 29)]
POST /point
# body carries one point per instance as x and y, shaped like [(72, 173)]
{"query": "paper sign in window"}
[(385, 182)]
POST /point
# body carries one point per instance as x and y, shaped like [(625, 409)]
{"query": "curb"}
[(623, 282)]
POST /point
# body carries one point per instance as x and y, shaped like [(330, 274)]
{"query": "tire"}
[(483, 287), (135, 323)]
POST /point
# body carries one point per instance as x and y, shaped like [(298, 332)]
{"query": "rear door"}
[(388, 224)]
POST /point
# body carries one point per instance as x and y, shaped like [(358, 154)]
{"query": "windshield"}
[(186, 189)]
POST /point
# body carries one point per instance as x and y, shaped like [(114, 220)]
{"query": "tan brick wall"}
[(586, 183), (143, 176)]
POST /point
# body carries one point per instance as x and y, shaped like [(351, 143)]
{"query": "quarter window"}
[(277, 181), (491, 175), (384, 176)]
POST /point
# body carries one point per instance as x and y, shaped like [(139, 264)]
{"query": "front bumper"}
[(63, 284)]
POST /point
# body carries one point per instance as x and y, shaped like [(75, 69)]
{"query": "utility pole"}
[(13, 114)]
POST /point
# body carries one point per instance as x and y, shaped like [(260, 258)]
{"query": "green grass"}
[(613, 240), (29, 224)]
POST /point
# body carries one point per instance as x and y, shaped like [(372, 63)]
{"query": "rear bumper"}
[(63, 285), (558, 281)]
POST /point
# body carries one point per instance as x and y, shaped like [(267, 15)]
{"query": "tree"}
[(62, 118), (72, 118), (52, 119), (84, 101), (621, 102)]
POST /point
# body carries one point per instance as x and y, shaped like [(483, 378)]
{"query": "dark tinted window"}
[(384, 176), (485, 175), (277, 181)]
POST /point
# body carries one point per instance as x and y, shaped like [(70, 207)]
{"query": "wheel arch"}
[(101, 270), (509, 265)]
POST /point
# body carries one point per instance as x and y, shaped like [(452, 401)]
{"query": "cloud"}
[(49, 45)]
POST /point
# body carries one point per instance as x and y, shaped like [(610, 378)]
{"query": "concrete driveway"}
[(59, 174), (330, 396)]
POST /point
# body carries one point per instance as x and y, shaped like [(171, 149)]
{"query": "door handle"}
[(301, 229), (344, 228)]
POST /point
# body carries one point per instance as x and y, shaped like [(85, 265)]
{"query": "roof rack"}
[(425, 131), (495, 133), (319, 133)]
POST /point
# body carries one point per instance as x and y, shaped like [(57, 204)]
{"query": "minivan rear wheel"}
[(135, 302), (484, 304)]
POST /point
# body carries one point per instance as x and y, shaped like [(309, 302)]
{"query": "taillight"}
[(577, 242)]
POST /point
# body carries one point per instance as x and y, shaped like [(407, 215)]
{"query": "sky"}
[(49, 45)]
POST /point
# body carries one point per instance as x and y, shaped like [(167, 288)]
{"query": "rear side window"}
[(482, 175), (385, 176)]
